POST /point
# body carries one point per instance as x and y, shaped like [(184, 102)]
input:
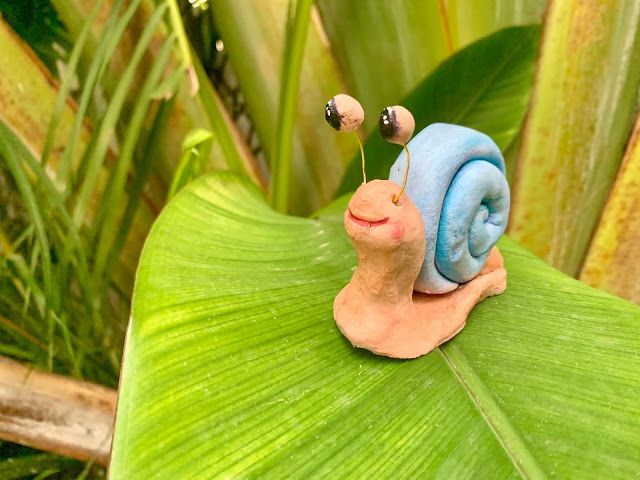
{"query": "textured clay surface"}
[(378, 309)]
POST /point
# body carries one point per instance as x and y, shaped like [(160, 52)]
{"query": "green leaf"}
[(196, 138), (28, 110), (586, 96), (485, 86), (26, 466), (38, 24), (615, 241), (13, 153), (188, 112), (254, 34), (95, 155), (195, 148), (78, 318), (295, 38), (68, 76), (107, 213), (115, 27), (228, 148), (470, 24), (234, 366), (386, 51)]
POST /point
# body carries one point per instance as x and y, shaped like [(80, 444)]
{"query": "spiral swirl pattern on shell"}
[(457, 182)]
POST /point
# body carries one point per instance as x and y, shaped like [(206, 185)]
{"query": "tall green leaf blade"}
[(253, 34), (281, 157), (107, 216), (11, 153), (27, 99), (486, 16), (188, 112), (56, 220), (586, 95), (607, 264), (95, 156), (96, 69), (386, 51), (234, 366), (485, 86), (67, 77)]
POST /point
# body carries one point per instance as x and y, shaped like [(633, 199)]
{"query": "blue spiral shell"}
[(457, 181)]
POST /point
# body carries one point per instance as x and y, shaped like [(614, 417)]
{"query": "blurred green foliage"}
[(38, 24)]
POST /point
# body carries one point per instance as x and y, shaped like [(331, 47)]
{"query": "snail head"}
[(375, 223)]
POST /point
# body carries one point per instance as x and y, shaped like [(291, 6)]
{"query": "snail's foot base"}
[(418, 327)]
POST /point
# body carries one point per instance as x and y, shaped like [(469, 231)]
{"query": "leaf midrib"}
[(508, 437), (506, 434)]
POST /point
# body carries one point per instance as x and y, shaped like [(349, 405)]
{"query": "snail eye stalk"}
[(396, 125), (345, 114)]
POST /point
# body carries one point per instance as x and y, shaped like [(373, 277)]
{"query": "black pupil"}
[(387, 123), (331, 114)]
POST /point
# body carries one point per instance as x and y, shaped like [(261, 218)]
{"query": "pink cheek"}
[(398, 232)]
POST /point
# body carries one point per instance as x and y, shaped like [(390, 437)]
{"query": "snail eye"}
[(396, 124), (344, 113)]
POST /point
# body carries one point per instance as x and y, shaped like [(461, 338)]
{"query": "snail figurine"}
[(425, 238)]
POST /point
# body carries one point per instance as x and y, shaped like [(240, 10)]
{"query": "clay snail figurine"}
[(425, 238)]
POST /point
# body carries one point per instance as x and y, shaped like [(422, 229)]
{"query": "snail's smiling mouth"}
[(363, 222)]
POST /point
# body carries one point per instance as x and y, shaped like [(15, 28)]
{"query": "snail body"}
[(425, 259)]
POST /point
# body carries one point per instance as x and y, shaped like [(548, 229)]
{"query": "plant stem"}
[(183, 44), (55, 413), (281, 159), (237, 156)]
